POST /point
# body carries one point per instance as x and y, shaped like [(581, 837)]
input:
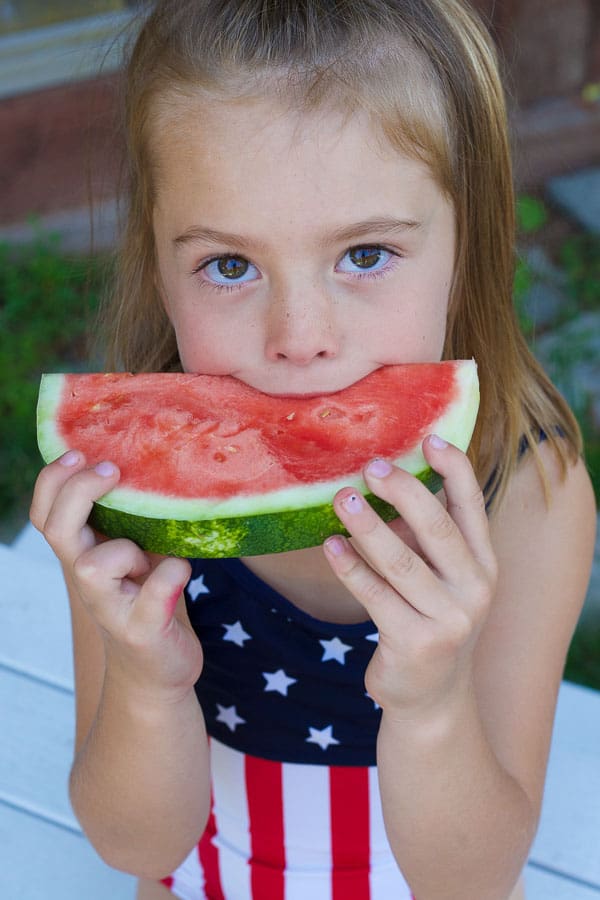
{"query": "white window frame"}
[(66, 52)]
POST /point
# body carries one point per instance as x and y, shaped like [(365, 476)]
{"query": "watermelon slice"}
[(211, 467)]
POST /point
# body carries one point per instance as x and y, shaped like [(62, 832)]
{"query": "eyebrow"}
[(381, 225)]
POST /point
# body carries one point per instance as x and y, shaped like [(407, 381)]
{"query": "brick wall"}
[(551, 50), (58, 147), (551, 46), (55, 140)]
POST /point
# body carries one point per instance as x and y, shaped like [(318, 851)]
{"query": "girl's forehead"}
[(250, 116), (279, 178), (238, 137)]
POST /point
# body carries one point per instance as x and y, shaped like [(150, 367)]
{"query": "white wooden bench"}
[(43, 854)]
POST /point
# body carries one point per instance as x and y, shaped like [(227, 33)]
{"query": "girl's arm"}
[(470, 657), (139, 783)]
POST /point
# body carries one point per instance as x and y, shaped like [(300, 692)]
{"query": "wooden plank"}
[(40, 861), (34, 610), (44, 855), (568, 838), (542, 885), (36, 747), (29, 542)]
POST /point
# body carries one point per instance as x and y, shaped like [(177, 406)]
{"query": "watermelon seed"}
[(325, 413), (220, 457), (291, 417)]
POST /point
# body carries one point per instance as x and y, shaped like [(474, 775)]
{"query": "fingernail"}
[(335, 545), (70, 458), (353, 503), (379, 468), (437, 442), (106, 469)]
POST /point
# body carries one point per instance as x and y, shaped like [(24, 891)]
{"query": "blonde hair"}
[(379, 55)]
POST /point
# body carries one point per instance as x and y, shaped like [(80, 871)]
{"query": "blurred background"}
[(59, 176)]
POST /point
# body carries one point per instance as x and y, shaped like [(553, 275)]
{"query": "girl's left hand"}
[(428, 600)]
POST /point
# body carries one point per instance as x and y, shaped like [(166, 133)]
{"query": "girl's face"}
[(295, 252)]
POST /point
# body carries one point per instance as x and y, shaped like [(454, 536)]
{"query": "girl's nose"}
[(301, 331)]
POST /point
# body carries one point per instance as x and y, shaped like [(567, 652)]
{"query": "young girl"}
[(318, 189)]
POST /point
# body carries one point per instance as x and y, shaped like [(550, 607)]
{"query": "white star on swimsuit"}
[(278, 681), (197, 587), (335, 649), (228, 715), (324, 738), (236, 634)]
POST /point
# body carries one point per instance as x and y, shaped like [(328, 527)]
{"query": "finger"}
[(66, 527), (438, 536), (109, 570), (465, 503), (387, 554), (389, 611), (157, 600), (49, 482), (108, 578)]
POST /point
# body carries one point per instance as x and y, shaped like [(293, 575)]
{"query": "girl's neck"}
[(305, 579)]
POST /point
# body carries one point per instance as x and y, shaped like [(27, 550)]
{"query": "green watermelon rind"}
[(251, 535), (249, 525)]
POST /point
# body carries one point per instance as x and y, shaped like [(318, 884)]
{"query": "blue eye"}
[(364, 259), (225, 270)]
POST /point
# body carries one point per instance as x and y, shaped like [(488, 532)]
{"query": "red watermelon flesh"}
[(211, 465), (167, 432)]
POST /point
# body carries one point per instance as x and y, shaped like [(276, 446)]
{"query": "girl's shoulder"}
[(546, 492), (543, 532)]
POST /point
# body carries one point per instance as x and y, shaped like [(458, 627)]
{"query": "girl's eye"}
[(232, 271), (224, 270), (365, 259)]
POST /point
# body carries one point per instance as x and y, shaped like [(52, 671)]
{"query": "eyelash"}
[(360, 276)]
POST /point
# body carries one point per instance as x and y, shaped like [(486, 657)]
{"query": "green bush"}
[(580, 258), (532, 214), (583, 661), (46, 299)]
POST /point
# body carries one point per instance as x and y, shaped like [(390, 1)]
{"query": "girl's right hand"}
[(135, 598)]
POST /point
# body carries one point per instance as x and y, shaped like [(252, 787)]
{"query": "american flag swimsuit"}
[(296, 813)]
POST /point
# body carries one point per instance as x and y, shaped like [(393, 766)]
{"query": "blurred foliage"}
[(583, 661), (580, 259), (531, 214), (46, 299)]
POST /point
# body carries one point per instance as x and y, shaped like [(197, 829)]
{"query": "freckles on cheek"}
[(208, 351)]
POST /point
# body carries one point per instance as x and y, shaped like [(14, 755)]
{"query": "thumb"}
[(156, 601)]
